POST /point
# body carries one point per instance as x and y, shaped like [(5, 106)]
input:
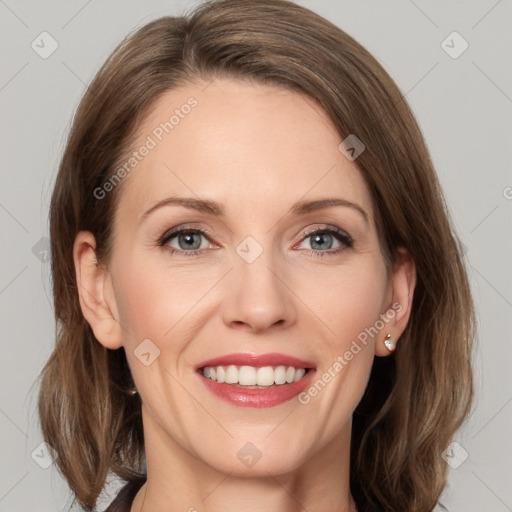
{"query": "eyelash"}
[(340, 235)]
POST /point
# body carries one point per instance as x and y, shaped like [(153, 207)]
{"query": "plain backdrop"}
[(462, 98)]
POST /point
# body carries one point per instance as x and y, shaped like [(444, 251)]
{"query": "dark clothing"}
[(124, 499)]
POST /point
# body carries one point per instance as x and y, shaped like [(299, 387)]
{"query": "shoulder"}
[(124, 499)]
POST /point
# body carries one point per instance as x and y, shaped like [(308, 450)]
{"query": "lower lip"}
[(251, 397)]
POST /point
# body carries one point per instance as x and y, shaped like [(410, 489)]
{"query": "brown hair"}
[(415, 399)]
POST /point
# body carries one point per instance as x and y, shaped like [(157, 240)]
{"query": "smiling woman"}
[(271, 311)]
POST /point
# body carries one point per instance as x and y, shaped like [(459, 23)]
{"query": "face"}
[(257, 273)]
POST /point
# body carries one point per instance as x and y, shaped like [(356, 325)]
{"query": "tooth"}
[(265, 376), (231, 376), (251, 375), (280, 375), (247, 376), (299, 374)]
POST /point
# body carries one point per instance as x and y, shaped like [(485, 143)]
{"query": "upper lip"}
[(250, 359)]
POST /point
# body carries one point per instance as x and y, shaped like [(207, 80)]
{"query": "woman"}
[(210, 351)]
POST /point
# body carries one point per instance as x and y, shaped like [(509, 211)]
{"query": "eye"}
[(323, 239), (192, 241), (188, 241)]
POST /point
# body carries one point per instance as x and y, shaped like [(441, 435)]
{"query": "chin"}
[(254, 456)]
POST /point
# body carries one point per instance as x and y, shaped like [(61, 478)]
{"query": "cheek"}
[(155, 304), (141, 305), (156, 300), (152, 301), (346, 300)]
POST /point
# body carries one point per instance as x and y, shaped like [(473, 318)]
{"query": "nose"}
[(258, 296)]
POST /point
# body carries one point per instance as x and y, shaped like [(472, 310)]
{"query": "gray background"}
[(463, 105)]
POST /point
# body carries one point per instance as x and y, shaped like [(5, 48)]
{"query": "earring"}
[(133, 391), (390, 345)]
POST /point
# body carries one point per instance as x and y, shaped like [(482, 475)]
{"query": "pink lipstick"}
[(252, 380)]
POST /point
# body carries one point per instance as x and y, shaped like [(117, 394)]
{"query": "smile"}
[(256, 380), (254, 377)]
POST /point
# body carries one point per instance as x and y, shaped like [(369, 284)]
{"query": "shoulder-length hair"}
[(417, 398)]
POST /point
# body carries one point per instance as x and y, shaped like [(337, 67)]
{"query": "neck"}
[(176, 480)]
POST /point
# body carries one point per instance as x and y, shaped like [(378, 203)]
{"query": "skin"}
[(257, 150)]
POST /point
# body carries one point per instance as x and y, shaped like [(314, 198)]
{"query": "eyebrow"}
[(213, 208)]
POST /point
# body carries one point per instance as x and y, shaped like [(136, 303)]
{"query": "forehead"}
[(245, 145)]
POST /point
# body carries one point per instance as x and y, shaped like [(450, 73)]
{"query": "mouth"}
[(252, 377), (249, 380)]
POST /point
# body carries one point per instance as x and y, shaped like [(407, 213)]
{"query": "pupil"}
[(189, 241), (321, 238)]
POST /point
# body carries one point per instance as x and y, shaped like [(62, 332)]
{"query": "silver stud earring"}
[(390, 345), (133, 391)]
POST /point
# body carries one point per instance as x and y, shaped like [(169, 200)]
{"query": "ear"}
[(95, 291), (399, 301)]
